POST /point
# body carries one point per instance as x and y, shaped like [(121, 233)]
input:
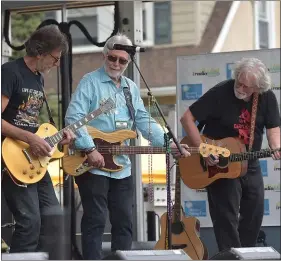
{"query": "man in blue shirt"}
[(101, 190)]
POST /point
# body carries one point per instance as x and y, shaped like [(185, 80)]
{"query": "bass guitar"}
[(196, 174), (184, 230), (28, 168), (109, 145)]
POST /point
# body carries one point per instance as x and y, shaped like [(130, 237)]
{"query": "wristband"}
[(90, 150)]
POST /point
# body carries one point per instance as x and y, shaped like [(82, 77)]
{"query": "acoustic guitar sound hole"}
[(177, 228)]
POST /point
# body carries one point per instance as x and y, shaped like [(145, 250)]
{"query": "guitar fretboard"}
[(251, 155), (130, 150), (59, 136)]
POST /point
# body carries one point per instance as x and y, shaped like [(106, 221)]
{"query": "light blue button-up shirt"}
[(92, 89)]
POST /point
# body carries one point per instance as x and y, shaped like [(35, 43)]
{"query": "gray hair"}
[(45, 40), (256, 68), (119, 38)]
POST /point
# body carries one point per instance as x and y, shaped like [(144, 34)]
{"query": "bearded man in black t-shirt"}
[(237, 205), (22, 99)]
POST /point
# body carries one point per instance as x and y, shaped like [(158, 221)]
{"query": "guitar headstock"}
[(207, 149), (107, 105)]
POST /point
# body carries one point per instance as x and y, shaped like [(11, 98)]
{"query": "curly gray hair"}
[(119, 38), (256, 68)]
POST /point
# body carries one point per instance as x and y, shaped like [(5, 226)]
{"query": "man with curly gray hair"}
[(237, 205)]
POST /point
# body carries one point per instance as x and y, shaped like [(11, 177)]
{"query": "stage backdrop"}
[(197, 74)]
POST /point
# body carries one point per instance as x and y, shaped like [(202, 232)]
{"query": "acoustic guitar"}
[(196, 174), (28, 168), (109, 145), (184, 230)]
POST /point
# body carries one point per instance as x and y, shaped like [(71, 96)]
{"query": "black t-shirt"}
[(226, 116), (24, 90)]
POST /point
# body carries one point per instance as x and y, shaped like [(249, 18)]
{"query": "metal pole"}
[(67, 182), (131, 25)]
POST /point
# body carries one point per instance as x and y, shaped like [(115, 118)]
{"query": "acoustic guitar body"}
[(195, 174), (184, 236)]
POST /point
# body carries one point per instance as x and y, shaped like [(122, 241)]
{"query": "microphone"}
[(128, 48)]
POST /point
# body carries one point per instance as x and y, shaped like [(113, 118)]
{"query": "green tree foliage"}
[(22, 26)]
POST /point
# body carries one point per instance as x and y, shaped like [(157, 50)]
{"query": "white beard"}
[(115, 75), (240, 96)]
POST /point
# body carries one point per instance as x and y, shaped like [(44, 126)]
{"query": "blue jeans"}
[(36, 211), (99, 194)]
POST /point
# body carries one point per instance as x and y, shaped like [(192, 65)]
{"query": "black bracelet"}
[(90, 150)]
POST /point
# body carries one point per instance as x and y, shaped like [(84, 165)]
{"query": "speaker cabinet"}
[(26, 256), (148, 255), (248, 253)]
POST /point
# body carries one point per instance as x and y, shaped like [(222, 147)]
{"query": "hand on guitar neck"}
[(39, 147), (212, 160), (185, 151)]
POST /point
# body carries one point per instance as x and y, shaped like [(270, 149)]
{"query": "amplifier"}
[(178, 254), (248, 253)]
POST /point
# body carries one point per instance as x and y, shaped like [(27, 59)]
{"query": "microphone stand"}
[(167, 137)]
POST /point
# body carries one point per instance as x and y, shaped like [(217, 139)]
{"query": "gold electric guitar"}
[(233, 162), (74, 162), (27, 168), (184, 230)]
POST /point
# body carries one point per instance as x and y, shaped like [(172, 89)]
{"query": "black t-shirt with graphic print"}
[(24, 90), (226, 116)]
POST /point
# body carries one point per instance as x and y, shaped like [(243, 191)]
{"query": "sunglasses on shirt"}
[(113, 59)]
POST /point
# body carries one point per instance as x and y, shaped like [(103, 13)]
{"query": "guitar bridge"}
[(25, 152), (179, 246)]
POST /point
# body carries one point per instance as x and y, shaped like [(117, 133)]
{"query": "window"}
[(87, 17), (90, 23), (162, 22), (265, 24), (144, 34), (147, 21)]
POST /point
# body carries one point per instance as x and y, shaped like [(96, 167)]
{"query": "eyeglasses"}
[(55, 58), (113, 59), (245, 87)]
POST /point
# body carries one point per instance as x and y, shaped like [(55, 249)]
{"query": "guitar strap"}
[(128, 98), (49, 111), (253, 119), (47, 105)]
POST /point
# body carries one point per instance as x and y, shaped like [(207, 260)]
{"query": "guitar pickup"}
[(82, 167)]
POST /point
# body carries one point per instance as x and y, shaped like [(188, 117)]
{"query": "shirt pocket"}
[(122, 114)]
